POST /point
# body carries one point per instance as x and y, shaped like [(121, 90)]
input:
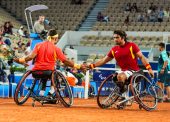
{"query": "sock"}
[(52, 90), (42, 93)]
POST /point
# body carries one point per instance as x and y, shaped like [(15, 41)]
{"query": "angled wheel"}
[(159, 92), (62, 88), (108, 93), (23, 90), (145, 96)]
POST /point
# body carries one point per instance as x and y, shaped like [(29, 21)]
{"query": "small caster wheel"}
[(57, 101), (119, 107), (140, 107), (33, 104)]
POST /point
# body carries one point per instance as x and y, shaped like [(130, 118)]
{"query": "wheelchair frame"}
[(114, 96), (61, 86)]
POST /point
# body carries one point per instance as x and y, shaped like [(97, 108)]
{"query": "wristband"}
[(77, 66), (22, 60), (92, 66), (148, 66)]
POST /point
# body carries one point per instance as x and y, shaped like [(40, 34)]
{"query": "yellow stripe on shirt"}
[(131, 51), (113, 53), (55, 56)]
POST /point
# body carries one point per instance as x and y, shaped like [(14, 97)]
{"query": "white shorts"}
[(127, 73)]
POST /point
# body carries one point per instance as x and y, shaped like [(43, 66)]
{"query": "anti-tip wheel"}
[(33, 104)]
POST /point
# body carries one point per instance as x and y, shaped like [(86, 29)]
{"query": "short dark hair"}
[(162, 45), (52, 32), (121, 33)]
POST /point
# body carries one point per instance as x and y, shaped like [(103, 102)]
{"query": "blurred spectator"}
[(22, 48), (77, 2), (39, 26), (28, 50), (153, 17), (21, 31), (8, 28), (106, 18), (7, 42), (1, 40), (126, 22), (100, 17), (149, 11), (160, 15), (152, 7), (1, 30), (166, 12), (26, 33), (141, 17), (134, 8), (127, 7)]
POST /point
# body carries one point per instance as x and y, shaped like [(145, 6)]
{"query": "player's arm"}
[(142, 58), (68, 63), (165, 65), (165, 59), (30, 57), (145, 62), (101, 62), (24, 60), (64, 59)]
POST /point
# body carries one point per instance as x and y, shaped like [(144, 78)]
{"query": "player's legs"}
[(167, 87), (160, 83), (122, 77), (43, 86)]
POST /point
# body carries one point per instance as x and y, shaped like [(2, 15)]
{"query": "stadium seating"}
[(63, 14), (115, 10), (5, 16)]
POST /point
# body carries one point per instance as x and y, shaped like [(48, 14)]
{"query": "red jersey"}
[(125, 56), (47, 54)]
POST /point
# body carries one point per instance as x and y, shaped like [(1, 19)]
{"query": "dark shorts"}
[(167, 81), (164, 78)]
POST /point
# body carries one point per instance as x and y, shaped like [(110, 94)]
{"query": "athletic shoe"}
[(167, 101), (52, 99), (160, 100)]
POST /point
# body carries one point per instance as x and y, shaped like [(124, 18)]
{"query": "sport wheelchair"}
[(27, 88), (142, 91)]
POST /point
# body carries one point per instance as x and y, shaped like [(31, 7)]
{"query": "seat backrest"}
[(42, 74)]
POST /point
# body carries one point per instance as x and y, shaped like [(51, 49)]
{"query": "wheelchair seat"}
[(42, 74), (127, 82)]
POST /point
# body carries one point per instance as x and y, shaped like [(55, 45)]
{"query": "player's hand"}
[(91, 66), (151, 73), (23, 63), (162, 71)]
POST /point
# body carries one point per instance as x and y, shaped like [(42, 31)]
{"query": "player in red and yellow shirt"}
[(46, 54), (125, 54)]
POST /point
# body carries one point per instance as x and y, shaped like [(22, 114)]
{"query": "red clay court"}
[(81, 111)]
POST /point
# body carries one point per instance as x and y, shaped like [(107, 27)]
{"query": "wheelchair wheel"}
[(108, 93), (140, 87), (159, 92), (23, 90), (62, 88)]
